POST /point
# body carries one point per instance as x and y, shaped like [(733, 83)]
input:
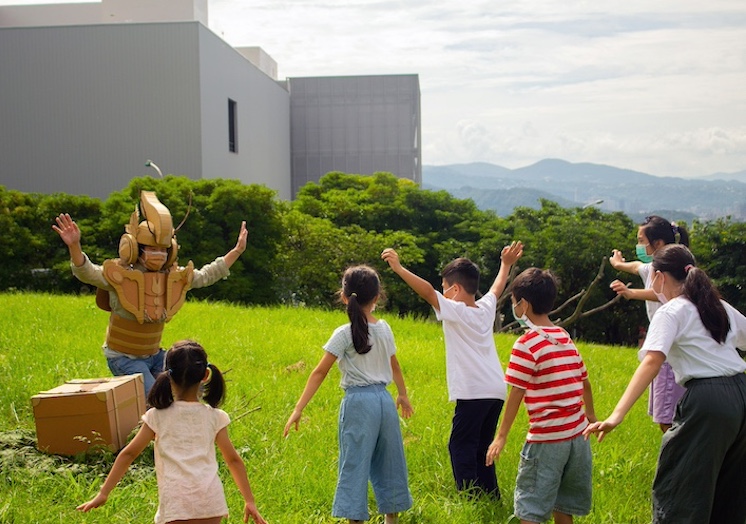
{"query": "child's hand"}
[(511, 253), (392, 257), (493, 452), (616, 258), (98, 501), (243, 236), (249, 510), (293, 420), (67, 229), (620, 288), (402, 401), (601, 429)]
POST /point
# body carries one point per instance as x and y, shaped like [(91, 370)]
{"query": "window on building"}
[(232, 126)]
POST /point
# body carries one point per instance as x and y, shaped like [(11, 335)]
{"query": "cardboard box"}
[(83, 413)]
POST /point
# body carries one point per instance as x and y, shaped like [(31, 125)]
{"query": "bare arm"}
[(509, 256), (618, 262), (632, 294), (312, 386), (232, 255), (420, 286), (644, 375), (68, 231), (590, 411), (130, 452), (238, 471), (402, 400), (515, 397)]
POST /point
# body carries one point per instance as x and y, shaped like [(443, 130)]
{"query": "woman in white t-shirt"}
[(654, 233), (186, 431), (702, 459)]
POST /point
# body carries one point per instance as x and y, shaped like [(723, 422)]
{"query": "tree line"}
[(297, 250)]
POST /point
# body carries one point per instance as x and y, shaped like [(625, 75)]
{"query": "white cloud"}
[(653, 86)]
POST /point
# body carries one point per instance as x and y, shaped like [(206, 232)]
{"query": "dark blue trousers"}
[(472, 432)]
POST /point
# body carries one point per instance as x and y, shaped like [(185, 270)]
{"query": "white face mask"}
[(660, 296)]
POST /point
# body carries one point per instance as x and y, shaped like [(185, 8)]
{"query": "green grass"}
[(268, 353)]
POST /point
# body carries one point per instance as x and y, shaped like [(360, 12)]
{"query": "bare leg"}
[(391, 518), (562, 518), (665, 427)]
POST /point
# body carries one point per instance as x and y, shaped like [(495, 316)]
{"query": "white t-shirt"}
[(646, 273), (677, 331), (373, 367), (473, 370), (185, 463)]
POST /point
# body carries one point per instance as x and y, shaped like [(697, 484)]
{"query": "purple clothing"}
[(664, 395)]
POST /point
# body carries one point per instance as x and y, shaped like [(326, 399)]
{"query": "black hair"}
[(186, 365), (658, 228), (463, 272), (679, 262), (536, 286), (360, 286)]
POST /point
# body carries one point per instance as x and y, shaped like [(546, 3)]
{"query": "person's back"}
[(473, 372), (546, 364), (547, 373)]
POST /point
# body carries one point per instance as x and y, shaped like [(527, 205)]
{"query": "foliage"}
[(297, 251), (720, 249)]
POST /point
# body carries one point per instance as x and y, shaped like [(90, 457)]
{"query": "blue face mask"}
[(642, 253)]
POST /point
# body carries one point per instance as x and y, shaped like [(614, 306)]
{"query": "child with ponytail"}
[(699, 477), (186, 424), (370, 441)]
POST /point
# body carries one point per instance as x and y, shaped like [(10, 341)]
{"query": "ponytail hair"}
[(658, 228), (678, 261), (186, 366), (360, 287)]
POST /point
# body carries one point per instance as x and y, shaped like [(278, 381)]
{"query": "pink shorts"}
[(664, 395)]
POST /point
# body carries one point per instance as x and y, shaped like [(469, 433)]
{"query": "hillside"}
[(632, 192)]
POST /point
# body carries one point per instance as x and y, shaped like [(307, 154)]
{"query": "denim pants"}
[(150, 367), (370, 447)]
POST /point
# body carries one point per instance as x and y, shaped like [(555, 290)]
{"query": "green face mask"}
[(642, 254)]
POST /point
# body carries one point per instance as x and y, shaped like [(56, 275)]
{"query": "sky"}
[(658, 87)]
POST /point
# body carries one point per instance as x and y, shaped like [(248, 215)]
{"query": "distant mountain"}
[(739, 176), (632, 192)]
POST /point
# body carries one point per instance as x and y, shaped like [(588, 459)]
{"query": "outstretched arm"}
[(515, 397), (632, 293), (618, 262), (312, 386), (130, 452), (402, 400), (238, 471), (68, 231), (420, 286), (232, 255), (508, 256), (644, 375)]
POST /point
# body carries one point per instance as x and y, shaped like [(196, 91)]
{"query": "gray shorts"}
[(554, 476)]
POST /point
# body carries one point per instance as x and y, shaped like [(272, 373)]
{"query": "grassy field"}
[(268, 353)]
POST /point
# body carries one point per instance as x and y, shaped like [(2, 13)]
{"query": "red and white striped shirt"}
[(545, 362)]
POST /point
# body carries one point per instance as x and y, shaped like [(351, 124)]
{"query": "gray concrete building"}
[(89, 92)]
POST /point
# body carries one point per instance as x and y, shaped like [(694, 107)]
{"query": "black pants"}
[(702, 462), (472, 432)]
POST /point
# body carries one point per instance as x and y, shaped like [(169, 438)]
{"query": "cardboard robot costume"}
[(143, 288)]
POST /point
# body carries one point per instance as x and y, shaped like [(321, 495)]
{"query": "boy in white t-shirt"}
[(473, 371)]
